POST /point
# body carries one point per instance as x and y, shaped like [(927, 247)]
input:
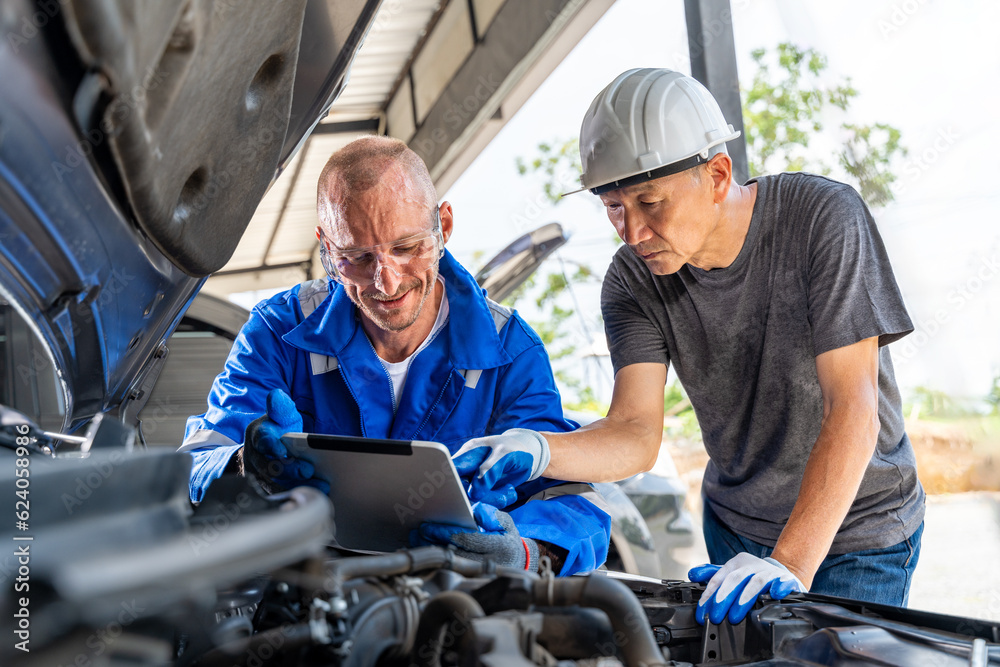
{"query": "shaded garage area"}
[(442, 76)]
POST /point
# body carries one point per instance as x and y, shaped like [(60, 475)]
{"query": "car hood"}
[(136, 141)]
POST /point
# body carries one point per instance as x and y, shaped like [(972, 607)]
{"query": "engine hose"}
[(447, 614), (260, 646), (401, 562), (614, 599)]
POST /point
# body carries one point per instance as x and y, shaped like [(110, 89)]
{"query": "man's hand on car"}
[(497, 464), (496, 540), (265, 455), (735, 586)]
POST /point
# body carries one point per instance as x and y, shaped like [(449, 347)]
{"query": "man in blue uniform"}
[(403, 344)]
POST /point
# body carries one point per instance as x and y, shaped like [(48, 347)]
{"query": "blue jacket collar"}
[(474, 343)]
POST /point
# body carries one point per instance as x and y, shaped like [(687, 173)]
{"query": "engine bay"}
[(121, 569)]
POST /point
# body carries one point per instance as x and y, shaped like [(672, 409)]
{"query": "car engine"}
[(113, 566)]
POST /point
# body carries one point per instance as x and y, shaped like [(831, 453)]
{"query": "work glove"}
[(496, 540), (264, 454), (498, 464), (735, 586)]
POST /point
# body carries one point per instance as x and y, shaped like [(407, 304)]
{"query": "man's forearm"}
[(830, 484), (605, 451)]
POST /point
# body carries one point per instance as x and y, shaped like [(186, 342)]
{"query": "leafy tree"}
[(993, 398), (552, 294), (559, 164), (676, 404), (787, 105), (934, 404)]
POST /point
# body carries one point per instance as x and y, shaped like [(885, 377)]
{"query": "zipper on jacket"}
[(409, 362), (392, 387), (350, 390), (431, 411)]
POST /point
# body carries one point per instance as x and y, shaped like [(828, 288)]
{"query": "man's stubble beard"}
[(386, 325)]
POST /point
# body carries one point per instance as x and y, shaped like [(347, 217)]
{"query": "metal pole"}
[(713, 63)]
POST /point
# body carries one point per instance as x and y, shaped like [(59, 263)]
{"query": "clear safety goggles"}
[(362, 266)]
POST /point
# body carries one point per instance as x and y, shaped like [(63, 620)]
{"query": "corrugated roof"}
[(411, 57), (281, 230)]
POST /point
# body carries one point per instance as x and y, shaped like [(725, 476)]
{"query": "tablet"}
[(383, 489)]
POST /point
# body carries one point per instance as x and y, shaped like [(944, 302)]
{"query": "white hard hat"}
[(649, 123)]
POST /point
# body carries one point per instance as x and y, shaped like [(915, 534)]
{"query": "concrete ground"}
[(959, 568)]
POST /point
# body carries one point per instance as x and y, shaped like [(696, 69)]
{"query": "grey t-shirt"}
[(812, 276)]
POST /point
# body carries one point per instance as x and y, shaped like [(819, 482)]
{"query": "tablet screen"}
[(383, 489)]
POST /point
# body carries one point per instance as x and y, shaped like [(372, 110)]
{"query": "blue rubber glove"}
[(496, 540), (498, 464), (266, 457), (735, 586)]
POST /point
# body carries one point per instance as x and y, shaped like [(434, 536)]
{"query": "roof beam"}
[(367, 125), (520, 35)]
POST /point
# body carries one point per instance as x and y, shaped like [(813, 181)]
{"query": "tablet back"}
[(383, 489)]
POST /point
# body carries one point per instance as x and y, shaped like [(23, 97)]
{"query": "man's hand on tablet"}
[(496, 540)]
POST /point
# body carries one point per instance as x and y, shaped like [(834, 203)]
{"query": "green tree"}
[(676, 404), (993, 398), (934, 404), (551, 293), (787, 106), (558, 163)]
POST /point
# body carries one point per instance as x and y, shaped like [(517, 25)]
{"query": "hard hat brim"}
[(573, 192), (644, 176)]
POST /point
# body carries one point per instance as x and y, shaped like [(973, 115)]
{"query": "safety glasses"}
[(362, 266)]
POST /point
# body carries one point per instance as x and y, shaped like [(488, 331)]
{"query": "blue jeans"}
[(881, 576)]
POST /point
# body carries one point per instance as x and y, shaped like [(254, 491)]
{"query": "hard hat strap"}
[(659, 172)]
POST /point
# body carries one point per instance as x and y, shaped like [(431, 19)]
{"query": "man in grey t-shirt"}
[(774, 301)]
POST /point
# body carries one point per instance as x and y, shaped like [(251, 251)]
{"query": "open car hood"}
[(136, 140)]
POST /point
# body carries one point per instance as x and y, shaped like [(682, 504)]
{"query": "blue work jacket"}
[(486, 371)]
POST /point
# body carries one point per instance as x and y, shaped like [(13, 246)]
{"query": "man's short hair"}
[(360, 165)]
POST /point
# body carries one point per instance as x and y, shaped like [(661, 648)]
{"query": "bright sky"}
[(928, 67)]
